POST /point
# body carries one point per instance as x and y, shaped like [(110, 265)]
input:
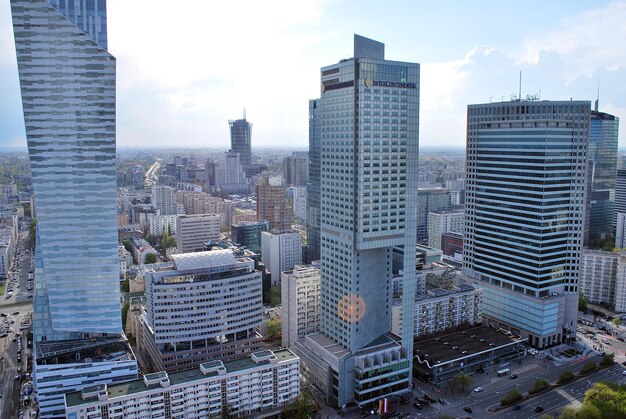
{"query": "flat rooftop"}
[(446, 348), (181, 377)]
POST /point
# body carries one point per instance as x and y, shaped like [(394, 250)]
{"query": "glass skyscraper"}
[(368, 126), (600, 221), (313, 187), (241, 140), (67, 80), (525, 207)]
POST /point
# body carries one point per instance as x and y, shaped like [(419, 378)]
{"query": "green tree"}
[(128, 246), (32, 232), (150, 258), (582, 302), (566, 377), (274, 329), (167, 241), (608, 359), (568, 413), (512, 397), (303, 407), (126, 286), (462, 380), (539, 384), (617, 321), (589, 367)]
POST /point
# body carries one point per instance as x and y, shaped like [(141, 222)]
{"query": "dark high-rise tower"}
[(240, 140)]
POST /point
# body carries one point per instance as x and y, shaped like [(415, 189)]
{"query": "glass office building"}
[(313, 187), (67, 80), (241, 140), (525, 211), (602, 171)]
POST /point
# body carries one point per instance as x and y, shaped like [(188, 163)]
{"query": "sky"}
[(185, 68)]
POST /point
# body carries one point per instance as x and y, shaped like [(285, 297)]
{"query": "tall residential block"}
[(300, 308), (368, 113), (163, 198), (524, 213), (240, 139), (67, 80), (429, 200), (313, 187), (207, 306), (280, 252), (271, 203), (600, 222), (193, 231), (441, 222)]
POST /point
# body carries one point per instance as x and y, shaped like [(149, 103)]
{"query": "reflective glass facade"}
[(525, 209), (602, 172), (241, 140), (67, 83), (313, 187)]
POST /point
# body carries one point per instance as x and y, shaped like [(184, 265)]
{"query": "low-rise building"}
[(193, 231), (207, 305), (257, 386), (125, 259), (140, 249), (300, 297), (249, 234), (440, 309), (8, 240), (479, 348)]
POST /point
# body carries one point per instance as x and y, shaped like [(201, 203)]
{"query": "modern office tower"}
[(259, 386), (295, 171), (271, 203), (441, 222), (600, 222), (300, 308), (280, 252), (525, 212), (439, 310), (598, 276), (249, 234), (207, 306), (164, 199), (193, 231), (430, 200), (67, 80), (369, 153), (313, 187), (240, 139)]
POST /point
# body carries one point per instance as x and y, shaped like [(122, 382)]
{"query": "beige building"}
[(300, 296), (193, 231)]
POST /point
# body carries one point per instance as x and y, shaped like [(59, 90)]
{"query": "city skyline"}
[(563, 52)]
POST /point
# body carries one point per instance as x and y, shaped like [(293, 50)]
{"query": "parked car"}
[(442, 401), (468, 409), (478, 389), (517, 407), (538, 409), (512, 376)]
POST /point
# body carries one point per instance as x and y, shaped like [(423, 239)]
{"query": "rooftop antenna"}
[(520, 86), (598, 97), (244, 113)]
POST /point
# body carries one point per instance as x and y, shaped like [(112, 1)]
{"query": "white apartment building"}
[(440, 309), (192, 231), (259, 385), (440, 222), (620, 230), (160, 223), (299, 196), (280, 252), (598, 276), (300, 296), (8, 239), (125, 260), (163, 198), (208, 305)]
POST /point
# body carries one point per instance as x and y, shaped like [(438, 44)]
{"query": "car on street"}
[(512, 376), (442, 401), (539, 409), (468, 409), (417, 405), (517, 407), (623, 372), (478, 389)]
